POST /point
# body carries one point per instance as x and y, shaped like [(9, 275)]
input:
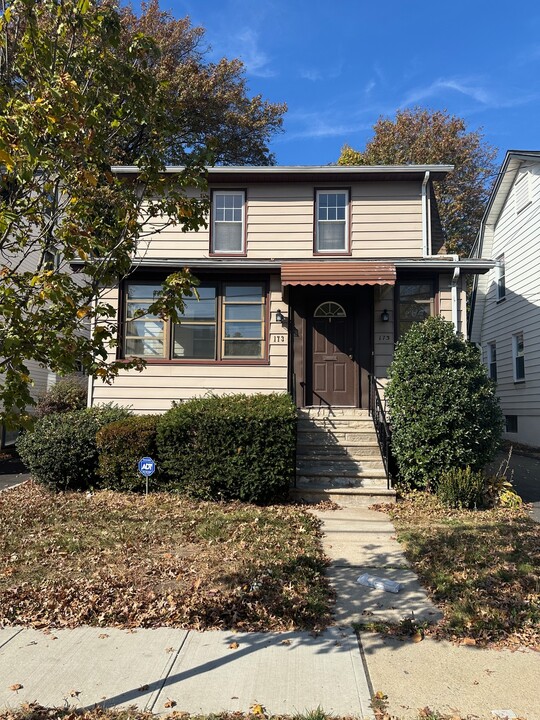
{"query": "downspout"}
[(425, 218), (455, 295)]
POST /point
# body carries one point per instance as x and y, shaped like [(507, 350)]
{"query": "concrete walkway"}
[(458, 680)]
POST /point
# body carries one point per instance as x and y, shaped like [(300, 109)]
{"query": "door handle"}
[(351, 353)]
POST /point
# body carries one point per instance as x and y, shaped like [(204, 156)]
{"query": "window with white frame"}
[(332, 226), (228, 221), (492, 360), (500, 276), (226, 322), (518, 357)]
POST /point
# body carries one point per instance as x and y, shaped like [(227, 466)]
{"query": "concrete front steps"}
[(338, 458)]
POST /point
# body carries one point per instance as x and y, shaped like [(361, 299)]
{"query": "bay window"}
[(227, 322)]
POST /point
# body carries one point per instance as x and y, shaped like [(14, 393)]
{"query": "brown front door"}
[(334, 369)]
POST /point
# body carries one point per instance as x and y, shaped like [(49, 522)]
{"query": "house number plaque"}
[(277, 339)]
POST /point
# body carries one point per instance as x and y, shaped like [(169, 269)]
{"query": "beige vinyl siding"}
[(445, 301), (383, 341), (154, 389), (386, 221), (517, 237)]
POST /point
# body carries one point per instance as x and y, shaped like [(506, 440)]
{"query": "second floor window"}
[(228, 222), (332, 226)]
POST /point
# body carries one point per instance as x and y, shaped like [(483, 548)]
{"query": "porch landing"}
[(338, 458)]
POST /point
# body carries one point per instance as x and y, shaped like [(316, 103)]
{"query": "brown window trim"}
[(348, 243), (211, 251), (219, 281)]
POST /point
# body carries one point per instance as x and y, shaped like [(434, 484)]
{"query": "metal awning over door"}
[(327, 272)]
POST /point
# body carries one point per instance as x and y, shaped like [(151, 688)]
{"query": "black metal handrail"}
[(377, 410)]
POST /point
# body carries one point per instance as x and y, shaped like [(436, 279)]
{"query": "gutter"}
[(426, 239), (455, 296)]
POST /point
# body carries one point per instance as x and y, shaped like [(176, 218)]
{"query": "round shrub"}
[(443, 409), (121, 445), (61, 450), (69, 393)]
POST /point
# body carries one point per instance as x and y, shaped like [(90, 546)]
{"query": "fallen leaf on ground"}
[(102, 636), (468, 641), (257, 709), (170, 703), (142, 688), (233, 645), (15, 687), (285, 642)]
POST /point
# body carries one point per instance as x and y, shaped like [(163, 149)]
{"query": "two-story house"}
[(308, 277), (505, 317)]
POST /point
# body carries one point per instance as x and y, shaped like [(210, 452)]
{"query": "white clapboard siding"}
[(516, 237)]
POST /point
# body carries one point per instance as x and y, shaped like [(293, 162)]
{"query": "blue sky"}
[(340, 64)]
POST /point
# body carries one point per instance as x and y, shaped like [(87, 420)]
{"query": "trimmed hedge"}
[(61, 450), (121, 445), (236, 447)]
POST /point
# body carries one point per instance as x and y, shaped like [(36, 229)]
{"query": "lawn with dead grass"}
[(482, 567), (112, 559)]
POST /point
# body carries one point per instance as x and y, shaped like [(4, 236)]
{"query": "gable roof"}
[(483, 246)]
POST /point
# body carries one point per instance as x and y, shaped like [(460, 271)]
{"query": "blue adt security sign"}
[(147, 466)]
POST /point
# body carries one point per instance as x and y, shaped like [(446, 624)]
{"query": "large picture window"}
[(332, 226), (228, 223), (415, 303), (227, 322)]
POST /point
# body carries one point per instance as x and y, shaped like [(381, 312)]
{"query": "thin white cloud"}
[(321, 125), (369, 87), (464, 86), (254, 58), (471, 88), (312, 75), (528, 55)]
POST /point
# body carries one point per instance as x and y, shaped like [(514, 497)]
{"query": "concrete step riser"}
[(347, 467), (342, 438), (322, 482), (335, 413), (363, 497), (338, 454)]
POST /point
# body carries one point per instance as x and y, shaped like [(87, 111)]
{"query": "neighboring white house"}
[(42, 377), (505, 318)]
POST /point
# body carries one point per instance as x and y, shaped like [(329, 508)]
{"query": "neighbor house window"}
[(228, 222), (227, 322), (518, 356), (415, 303), (500, 274), (511, 423), (492, 360), (332, 226)]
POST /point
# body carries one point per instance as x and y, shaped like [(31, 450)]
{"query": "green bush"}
[(61, 450), (443, 408), (461, 488), (69, 393), (121, 445), (231, 447)]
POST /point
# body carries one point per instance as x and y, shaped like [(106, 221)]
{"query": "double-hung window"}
[(518, 357), (332, 224), (492, 360), (226, 323), (228, 222), (500, 275)]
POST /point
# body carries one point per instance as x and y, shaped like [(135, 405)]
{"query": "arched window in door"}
[(329, 309)]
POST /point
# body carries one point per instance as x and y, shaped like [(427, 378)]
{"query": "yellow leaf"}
[(83, 312), (257, 709), (6, 158)]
